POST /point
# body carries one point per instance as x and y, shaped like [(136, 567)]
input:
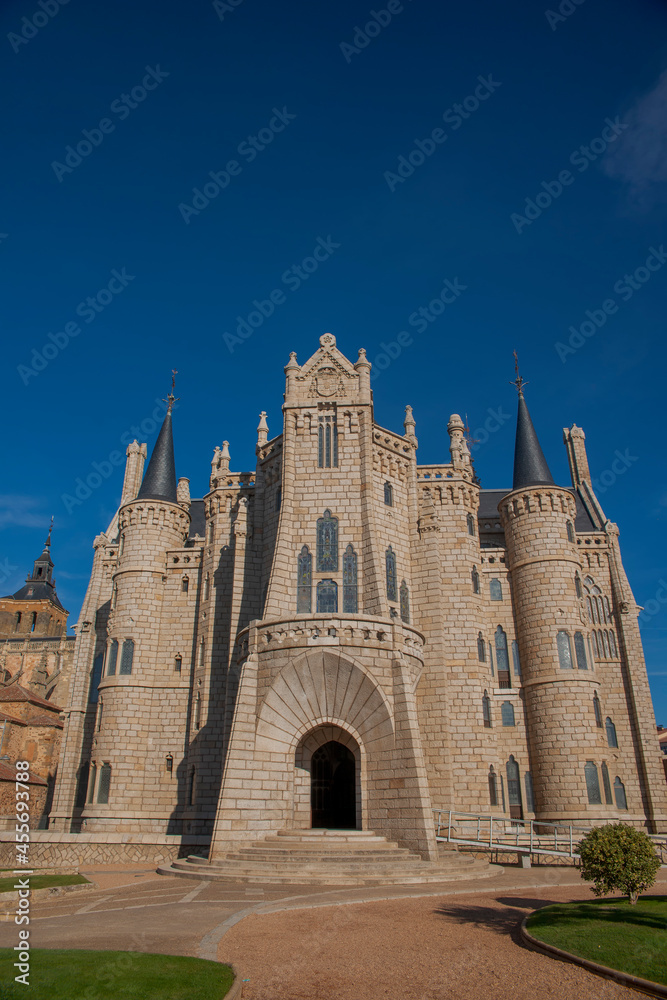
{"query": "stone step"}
[(326, 857), (429, 874)]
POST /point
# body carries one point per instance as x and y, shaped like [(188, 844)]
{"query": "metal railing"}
[(500, 833)]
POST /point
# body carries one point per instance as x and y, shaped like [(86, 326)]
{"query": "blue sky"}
[(534, 199)]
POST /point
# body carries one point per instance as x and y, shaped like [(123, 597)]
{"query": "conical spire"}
[(160, 478), (530, 465)]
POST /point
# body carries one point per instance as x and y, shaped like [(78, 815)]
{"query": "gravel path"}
[(463, 947)]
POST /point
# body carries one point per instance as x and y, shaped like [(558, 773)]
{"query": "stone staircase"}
[(328, 857)]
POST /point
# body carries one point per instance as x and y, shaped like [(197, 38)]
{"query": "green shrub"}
[(620, 857)]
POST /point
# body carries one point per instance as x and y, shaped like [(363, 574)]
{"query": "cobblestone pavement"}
[(439, 941)]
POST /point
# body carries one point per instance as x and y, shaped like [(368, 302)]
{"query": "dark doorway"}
[(332, 787)]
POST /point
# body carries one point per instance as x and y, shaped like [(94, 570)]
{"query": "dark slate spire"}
[(159, 481), (530, 465)]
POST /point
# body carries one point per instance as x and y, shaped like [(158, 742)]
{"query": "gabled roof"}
[(14, 692), (8, 773), (12, 718)]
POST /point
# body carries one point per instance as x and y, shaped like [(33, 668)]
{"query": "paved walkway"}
[(431, 941)]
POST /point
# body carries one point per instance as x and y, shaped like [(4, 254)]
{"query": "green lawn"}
[(42, 882), (113, 975), (632, 939)]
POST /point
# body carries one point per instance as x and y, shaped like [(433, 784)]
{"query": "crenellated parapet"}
[(539, 501)]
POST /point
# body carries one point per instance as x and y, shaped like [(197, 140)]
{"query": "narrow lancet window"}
[(327, 597), (390, 565), (405, 602), (304, 582), (350, 591)]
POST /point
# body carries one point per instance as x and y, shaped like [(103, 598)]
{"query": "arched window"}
[(606, 784), (405, 602), (619, 793), (34, 621), (597, 711), (105, 782), (592, 610), (592, 783), (327, 597), (471, 524), (530, 798), (611, 733), (198, 710), (121, 544), (605, 641), (502, 659), (191, 787), (491, 658), (178, 663), (577, 586), (493, 787), (114, 596), (327, 443), (495, 590), (100, 709), (515, 658), (185, 584), (564, 651), (91, 783), (481, 652), (607, 610), (612, 643), (595, 644), (18, 621), (580, 651), (507, 713), (389, 494), (514, 789), (570, 531), (486, 710), (207, 586), (304, 582), (327, 543), (202, 653), (350, 593), (112, 656), (475, 580), (127, 657), (390, 565)]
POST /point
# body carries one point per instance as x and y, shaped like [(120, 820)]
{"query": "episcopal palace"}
[(345, 638)]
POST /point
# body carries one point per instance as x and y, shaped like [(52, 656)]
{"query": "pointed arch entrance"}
[(328, 791)]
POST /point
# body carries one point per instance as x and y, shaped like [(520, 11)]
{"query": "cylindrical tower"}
[(127, 788), (552, 630)]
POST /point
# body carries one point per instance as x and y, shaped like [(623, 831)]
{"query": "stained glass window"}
[(592, 783), (389, 494), (596, 710), (611, 733), (530, 798), (619, 792), (486, 710), (515, 658), (327, 543), (112, 656), (507, 713), (502, 659), (580, 651), (606, 784), (495, 590), (304, 581), (564, 651), (390, 562), (105, 781), (127, 657), (327, 597), (405, 602), (350, 591)]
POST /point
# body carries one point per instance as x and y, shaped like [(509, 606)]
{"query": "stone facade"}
[(346, 637)]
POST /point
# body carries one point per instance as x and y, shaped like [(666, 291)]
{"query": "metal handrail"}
[(526, 836)]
